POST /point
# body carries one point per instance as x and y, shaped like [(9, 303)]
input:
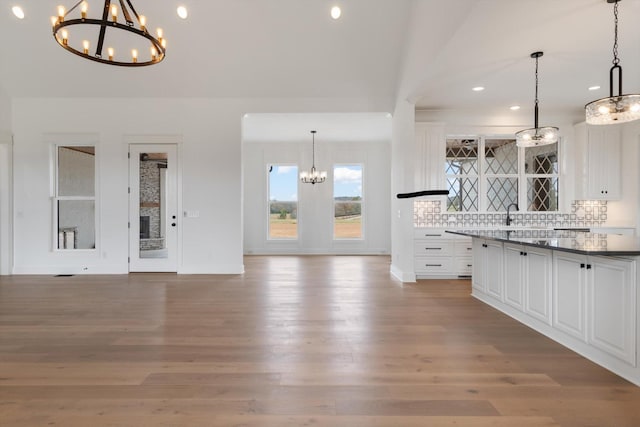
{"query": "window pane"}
[(542, 159), (542, 191), (76, 224), (463, 194), (501, 156), (347, 197), (542, 194), (153, 205), (501, 192), (76, 171), (283, 202), (462, 157)]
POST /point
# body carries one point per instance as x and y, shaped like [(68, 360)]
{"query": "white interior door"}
[(153, 208)]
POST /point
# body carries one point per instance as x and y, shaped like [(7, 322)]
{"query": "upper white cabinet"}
[(430, 156), (600, 160)]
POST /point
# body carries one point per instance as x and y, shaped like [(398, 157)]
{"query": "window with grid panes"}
[(487, 174), (500, 173), (461, 170), (541, 170)]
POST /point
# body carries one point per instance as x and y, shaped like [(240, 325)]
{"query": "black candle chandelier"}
[(122, 19)]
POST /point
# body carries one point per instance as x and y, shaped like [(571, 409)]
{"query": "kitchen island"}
[(577, 288)]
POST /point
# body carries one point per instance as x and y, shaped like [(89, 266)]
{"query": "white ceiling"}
[(293, 49)]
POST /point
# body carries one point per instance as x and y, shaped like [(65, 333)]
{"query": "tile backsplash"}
[(584, 213)]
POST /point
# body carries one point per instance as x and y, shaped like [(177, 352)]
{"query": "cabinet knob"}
[(581, 265), (588, 266)]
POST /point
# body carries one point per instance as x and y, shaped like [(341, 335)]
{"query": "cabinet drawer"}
[(463, 248), (433, 248), (434, 265), (463, 266), (425, 233)]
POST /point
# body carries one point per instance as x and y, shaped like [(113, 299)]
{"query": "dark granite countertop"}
[(563, 240)]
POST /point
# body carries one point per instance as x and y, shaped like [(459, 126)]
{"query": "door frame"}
[(155, 142)]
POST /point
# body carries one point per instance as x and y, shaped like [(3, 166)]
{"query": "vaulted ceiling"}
[(435, 50)]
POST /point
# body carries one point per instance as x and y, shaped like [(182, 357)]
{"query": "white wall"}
[(211, 164), (5, 111), (211, 171), (315, 203), (6, 173)]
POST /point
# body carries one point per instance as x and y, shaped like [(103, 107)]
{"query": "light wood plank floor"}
[(296, 341)]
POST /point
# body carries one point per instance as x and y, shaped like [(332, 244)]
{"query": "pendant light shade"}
[(313, 176), (536, 135), (616, 108)]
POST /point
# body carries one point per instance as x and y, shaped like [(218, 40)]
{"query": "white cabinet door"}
[(537, 283), (603, 160), (612, 307), (493, 269), (431, 147), (513, 293), (479, 263), (569, 294)]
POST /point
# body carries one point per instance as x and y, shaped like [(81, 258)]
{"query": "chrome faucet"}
[(509, 220)]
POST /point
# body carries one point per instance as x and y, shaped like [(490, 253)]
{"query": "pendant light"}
[(313, 176), (537, 135), (619, 108)]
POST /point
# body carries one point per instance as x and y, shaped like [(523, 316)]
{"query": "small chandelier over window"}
[(619, 108), (125, 19), (537, 135), (313, 176)]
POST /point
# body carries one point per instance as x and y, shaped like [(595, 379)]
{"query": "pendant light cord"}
[(535, 109), (616, 60), (313, 150)]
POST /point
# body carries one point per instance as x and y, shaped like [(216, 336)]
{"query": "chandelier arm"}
[(125, 12), (133, 9), (103, 28), (73, 8)]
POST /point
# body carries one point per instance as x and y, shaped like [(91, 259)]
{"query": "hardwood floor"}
[(295, 341)]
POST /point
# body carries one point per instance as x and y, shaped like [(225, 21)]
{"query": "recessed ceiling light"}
[(478, 89), (18, 12), (514, 107), (336, 12), (182, 12), (594, 88)]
